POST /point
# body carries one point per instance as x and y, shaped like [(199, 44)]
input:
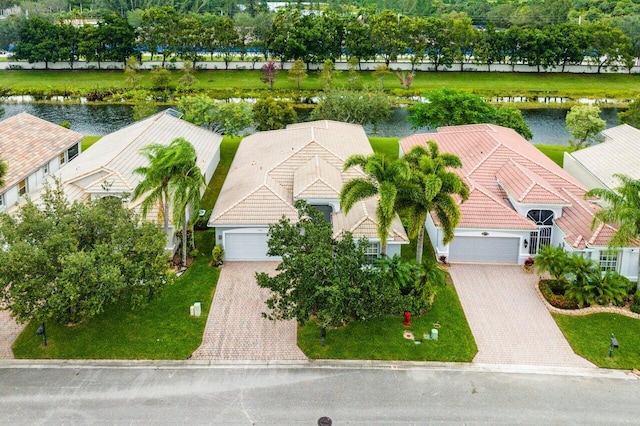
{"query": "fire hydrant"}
[(407, 318)]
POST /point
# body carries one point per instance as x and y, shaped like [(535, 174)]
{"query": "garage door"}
[(484, 249), (246, 246)]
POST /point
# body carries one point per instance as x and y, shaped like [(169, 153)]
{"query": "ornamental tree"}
[(584, 124), (66, 262)]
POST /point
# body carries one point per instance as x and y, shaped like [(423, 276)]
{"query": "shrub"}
[(217, 256), (552, 291), (201, 222), (635, 306)]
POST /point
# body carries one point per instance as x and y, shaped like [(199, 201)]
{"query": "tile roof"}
[(498, 163), (27, 143), (109, 164), (305, 160), (619, 153)]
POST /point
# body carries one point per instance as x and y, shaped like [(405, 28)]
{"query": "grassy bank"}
[(247, 83)]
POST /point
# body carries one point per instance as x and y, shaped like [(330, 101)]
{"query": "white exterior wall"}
[(578, 171)]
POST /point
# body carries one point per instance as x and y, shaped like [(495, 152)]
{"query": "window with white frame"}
[(372, 252), (1, 202), (62, 158), (73, 152), (22, 187), (609, 260)]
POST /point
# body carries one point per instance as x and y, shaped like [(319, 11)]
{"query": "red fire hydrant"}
[(407, 318)]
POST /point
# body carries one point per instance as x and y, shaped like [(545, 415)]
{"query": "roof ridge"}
[(542, 184), (486, 157)]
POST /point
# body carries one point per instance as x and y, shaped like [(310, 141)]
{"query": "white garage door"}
[(484, 249), (246, 246)]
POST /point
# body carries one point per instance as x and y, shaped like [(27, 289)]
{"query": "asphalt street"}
[(299, 395)]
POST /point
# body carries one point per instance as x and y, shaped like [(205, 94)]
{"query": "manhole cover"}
[(324, 421)]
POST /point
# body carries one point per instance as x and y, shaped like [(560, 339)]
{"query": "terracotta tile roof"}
[(496, 158), (525, 186), (361, 222), (305, 160), (27, 143)]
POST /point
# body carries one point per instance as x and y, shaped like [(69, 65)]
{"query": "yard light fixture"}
[(42, 331), (526, 243), (614, 345)]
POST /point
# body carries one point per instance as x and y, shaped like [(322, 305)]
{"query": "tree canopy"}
[(584, 124), (66, 262)]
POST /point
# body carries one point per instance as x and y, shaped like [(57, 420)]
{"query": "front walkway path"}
[(510, 323), (236, 329), (9, 331)]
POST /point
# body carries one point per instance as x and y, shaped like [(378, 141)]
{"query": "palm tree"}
[(4, 167), (165, 162), (383, 176), (186, 191), (432, 188), (622, 208)]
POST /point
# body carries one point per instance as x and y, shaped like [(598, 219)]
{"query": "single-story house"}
[(107, 168), (619, 153), (33, 148), (274, 169), (519, 201)]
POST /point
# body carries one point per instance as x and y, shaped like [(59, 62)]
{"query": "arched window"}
[(542, 237)]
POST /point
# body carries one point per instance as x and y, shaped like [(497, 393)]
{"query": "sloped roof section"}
[(317, 179), (497, 160), (306, 161), (27, 143), (525, 186), (618, 154), (361, 222)]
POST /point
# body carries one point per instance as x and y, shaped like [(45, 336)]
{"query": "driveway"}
[(9, 331), (236, 329), (510, 323)]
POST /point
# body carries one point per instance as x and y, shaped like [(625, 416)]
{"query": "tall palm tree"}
[(165, 162), (4, 167), (186, 191), (623, 209), (383, 176), (432, 188)]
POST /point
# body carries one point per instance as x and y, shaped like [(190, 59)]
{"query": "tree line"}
[(291, 34)]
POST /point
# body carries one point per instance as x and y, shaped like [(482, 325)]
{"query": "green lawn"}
[(76, 82), (383, 339), (228, 150), (555, 152), (161, 330), (88, 141), (589, 336)]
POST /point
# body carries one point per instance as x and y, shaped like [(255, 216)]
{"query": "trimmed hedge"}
[(552, 291)]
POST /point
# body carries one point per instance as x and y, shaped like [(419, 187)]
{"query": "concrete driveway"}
[(9, 331), (236, 329), (510, 323)]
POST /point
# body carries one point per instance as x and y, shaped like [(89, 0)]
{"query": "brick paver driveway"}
[(236, 329), (9, 331), (509, 321)]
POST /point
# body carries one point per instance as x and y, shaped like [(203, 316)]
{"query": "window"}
[(542, 237), (372, 252), (45, 169), (22, 187), (609, 260), (1, 202), (73, 152), (62, 158)]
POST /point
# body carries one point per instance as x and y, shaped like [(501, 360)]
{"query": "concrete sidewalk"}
[(510, 323)]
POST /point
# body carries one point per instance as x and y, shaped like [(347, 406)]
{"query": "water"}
[(547, 125)]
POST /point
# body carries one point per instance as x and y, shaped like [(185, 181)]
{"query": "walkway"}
[(510, 323), (9, 331), (236, 329)]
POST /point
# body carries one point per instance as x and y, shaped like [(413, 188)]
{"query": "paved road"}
[(510, 323), (300, 395)]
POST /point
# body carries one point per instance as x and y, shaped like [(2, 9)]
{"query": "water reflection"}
[(547, 125)]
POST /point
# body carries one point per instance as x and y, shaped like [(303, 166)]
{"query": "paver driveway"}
[(9, 331), (509, 321), (236, 329)]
